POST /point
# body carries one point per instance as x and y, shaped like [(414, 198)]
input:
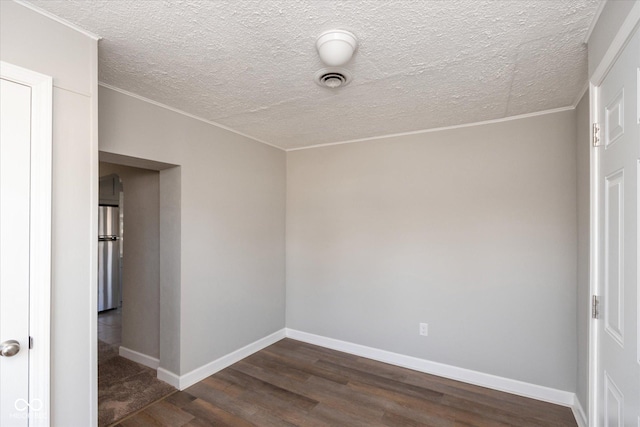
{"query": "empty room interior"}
[(349, 213)]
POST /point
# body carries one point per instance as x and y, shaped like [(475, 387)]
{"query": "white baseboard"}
[(168, 377), (495, 382), (579, 414), (190, 378), (138, 357)]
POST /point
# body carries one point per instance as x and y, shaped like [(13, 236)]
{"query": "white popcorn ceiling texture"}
[(249, 65)]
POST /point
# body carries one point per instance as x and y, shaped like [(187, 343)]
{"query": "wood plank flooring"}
[(296, 384)]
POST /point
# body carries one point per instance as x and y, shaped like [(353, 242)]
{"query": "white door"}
[(15, 142), (618, 369), (25, 246)]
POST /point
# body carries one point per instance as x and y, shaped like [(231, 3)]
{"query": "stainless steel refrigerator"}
[(108, 258)]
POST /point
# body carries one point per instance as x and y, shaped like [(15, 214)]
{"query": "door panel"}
[(618, 368), (614, 403), (614, 254), (15, 140), (614, 120)]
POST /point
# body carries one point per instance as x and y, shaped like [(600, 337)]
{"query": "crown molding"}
[(418, 132)]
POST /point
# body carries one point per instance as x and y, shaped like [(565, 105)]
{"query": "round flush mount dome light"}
[(332, 77), (336, 47)]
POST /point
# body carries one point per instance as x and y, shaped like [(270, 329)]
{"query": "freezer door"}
[(108, 217)]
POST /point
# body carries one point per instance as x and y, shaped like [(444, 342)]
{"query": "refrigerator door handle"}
[(107, 238)]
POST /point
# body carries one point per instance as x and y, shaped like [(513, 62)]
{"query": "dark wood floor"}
[(293, 383)]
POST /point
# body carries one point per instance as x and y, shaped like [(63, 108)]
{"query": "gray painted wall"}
[(583, 150), (232, 221), (170, 268), (613, 15), (471, 230), (141, 261), (32, 41)]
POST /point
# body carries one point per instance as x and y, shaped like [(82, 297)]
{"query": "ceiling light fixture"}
[(336, 47)]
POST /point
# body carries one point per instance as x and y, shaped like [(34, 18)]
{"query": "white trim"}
[(593, 256), (465, 125), (40, 233), (94, 170), (190, 378), (184, 113), (596, 16), (617, 44), (141, 358), (58, 19), (461, 126), (169, 378), (494, 382), (578, 413), (638, 242)]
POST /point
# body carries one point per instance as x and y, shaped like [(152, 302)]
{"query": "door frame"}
[(40, 238), (619, 42)]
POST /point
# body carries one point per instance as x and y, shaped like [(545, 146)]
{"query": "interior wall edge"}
[(182, 382), (133, 162), (579, 413), (583, 299), (136, 356)]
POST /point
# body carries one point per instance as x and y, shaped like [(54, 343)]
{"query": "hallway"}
[(124, 386)]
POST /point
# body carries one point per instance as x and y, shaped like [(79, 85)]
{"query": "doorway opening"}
[(128, 290), (110, 252)]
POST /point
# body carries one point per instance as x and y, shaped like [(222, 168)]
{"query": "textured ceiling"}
[(249, 65)]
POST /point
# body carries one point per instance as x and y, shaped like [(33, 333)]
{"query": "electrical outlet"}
[(424, 329)]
